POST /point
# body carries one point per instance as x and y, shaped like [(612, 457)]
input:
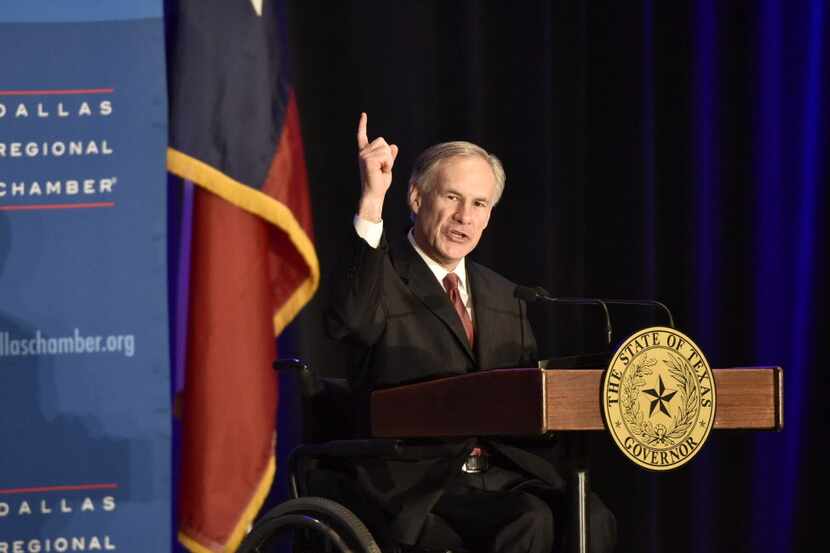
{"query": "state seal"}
[(658, 398)]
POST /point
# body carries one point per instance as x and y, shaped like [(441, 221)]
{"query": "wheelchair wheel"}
[(309, 524)]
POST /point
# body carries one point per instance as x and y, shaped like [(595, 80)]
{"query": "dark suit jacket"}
[(391, 305)]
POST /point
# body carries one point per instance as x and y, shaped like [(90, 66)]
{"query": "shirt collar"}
[(439, 271)]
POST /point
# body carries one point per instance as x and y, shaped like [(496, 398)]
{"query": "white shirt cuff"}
[(369, 230)]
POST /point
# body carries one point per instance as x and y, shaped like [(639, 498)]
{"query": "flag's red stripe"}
[(36, 207), (43, 489), (228, 415), (53, 92)]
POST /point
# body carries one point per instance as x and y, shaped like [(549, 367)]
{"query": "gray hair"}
[(426, 165)]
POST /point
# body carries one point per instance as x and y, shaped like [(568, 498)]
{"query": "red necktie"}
[(451, 285)]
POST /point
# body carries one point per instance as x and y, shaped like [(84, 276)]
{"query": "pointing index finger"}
[(362, 139)]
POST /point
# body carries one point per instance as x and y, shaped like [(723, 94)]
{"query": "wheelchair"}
[(308, 521), (315, 518)]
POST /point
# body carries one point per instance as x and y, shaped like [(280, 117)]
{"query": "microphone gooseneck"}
[(532, 294)]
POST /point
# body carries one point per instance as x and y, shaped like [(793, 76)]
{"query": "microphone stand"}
[(580, 485)]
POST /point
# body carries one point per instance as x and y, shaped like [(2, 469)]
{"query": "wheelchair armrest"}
[(351, 448), (310, 385), (378, 448), (328, 408), (390, 449)]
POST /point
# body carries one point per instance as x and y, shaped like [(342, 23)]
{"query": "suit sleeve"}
[(357, 313)]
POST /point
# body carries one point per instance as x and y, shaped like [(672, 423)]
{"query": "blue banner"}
[(84, 370)]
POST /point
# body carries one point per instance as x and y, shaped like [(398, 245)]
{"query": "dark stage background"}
[(666, 150)]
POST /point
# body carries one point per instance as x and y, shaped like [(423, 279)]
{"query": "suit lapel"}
[(485, 328), (423, 284)]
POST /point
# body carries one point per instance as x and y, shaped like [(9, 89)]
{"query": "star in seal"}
[(661, 398)]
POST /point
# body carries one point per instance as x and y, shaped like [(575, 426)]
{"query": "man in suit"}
[(420, 309)]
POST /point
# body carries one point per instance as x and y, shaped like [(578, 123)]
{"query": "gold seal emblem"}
[(658, 397)]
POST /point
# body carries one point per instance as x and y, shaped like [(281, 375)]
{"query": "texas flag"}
[(235, 134)]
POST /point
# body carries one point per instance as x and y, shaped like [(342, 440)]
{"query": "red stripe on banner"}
[(46, 489), (52, 92), (38, 207)]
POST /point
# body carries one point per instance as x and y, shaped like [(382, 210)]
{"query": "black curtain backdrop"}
[(666, 150)]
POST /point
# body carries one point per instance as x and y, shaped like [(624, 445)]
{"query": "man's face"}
[(450, 218)]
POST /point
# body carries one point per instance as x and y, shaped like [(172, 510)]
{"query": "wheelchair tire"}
[(319, 515)]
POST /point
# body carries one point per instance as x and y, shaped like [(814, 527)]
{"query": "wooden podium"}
[(526, 402)]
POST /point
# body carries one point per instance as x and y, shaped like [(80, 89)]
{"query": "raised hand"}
[(375, 159)]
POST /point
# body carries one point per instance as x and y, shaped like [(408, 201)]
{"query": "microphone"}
[(531, 295), (538, 293)]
